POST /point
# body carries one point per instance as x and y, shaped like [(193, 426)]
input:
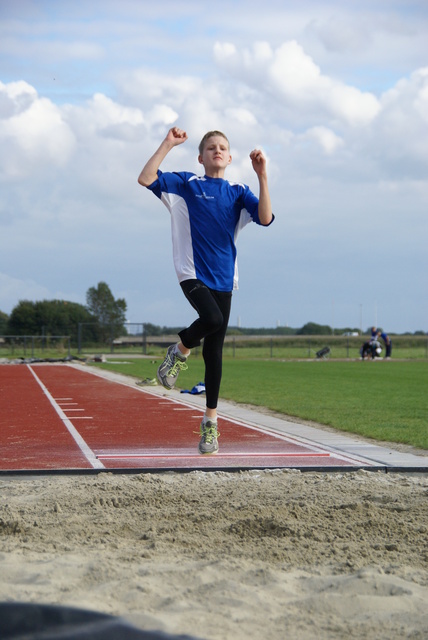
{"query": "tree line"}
[(103, 316)]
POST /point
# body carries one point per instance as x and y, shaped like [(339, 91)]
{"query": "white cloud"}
[(396, 140), (289, 75), (15, 97), (161, 114), (241, 115), (327, 139), (32, 131), (101, 116)]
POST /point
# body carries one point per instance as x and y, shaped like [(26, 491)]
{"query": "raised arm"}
[(149, 174), (265, 207)]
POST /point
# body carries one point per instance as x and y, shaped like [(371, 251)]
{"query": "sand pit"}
[(260, 554)]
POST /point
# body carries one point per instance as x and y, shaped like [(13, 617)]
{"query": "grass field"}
[(384, 400)]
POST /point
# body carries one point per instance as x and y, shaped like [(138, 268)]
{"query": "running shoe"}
[(150, 382), (168, 371), (209, 435)]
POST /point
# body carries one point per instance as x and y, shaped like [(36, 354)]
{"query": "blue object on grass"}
[(196, 390)]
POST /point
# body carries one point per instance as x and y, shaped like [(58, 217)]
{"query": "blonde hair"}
[(211, 134)]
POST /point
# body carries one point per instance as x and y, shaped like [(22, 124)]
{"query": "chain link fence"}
[(137, 343), (276, 347), (35, 347)]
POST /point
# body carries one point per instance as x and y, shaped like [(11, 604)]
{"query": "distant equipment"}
[(323, 353)]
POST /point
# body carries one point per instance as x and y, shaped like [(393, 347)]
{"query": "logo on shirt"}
[(204, 196)]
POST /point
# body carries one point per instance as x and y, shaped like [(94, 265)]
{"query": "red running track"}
[(58, 417)]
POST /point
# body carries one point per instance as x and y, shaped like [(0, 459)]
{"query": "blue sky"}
[(335, 93)]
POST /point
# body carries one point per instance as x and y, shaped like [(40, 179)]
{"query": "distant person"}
[(387, 342), (372, 347), (368, 350), (207, 212)]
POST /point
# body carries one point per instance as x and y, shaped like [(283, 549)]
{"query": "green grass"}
[(387, 401)]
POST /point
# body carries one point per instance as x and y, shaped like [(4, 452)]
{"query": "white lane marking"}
[(271, 454), (83, 446)]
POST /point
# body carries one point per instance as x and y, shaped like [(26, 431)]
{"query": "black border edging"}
[(139, 471)]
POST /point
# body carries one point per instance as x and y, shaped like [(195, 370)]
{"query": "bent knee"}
[(212, 321)]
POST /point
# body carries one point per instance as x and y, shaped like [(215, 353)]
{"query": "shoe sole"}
[(208, 453), (163, 384)]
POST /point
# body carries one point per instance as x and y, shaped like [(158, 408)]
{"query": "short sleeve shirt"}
[(207, 215)]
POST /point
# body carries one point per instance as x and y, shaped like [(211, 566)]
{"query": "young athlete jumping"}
[(207, 213)]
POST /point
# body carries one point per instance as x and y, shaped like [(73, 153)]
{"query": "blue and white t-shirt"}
[(206, 216)]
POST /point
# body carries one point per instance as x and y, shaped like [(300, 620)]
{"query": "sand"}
[(258, 554)]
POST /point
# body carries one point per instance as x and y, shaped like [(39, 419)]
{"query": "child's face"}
[(216, 155)]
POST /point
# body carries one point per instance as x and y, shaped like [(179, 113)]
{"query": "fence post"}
[(79, 338)]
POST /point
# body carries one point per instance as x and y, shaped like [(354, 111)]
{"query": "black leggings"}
[(213, 308)]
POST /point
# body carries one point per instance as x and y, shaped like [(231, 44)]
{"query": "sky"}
[(335, 94)]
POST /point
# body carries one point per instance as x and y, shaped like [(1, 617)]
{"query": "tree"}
[(23, 320), (3, 322), (151, 329), (47, 317), (311, 329), (109, 312)]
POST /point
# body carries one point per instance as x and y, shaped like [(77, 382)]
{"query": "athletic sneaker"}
[(209, 435), (150, 382), (168, 371)]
